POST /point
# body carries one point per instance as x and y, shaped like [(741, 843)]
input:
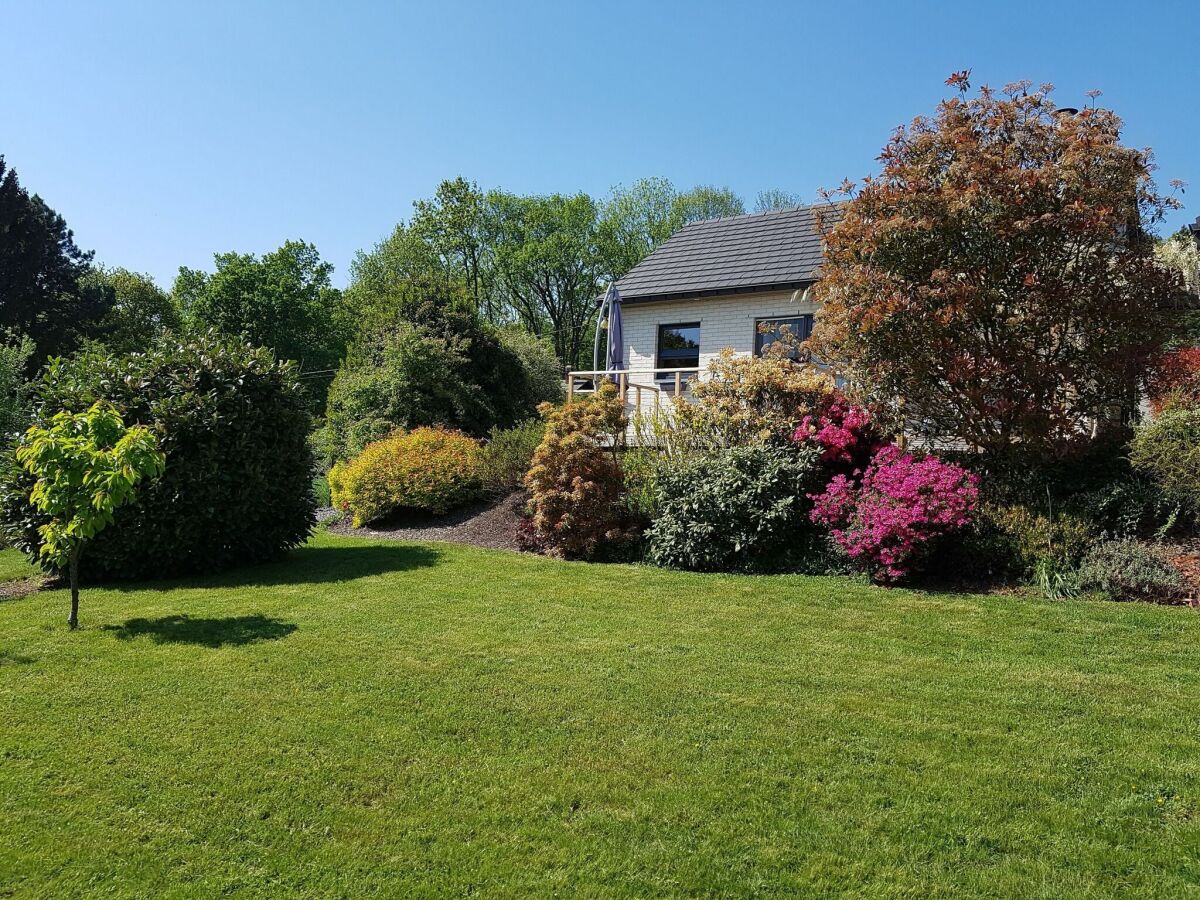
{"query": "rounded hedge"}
[(743, 509), (428, 469), (234, 425)]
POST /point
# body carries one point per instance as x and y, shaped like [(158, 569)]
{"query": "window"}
[(679, 346), (768, 331)]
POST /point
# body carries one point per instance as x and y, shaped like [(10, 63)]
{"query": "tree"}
[(998, 276), (15, 390), (86, 465), (454, 225), (633, 221), (283, 301), (706, 202), (548, 266), (140, 313), (776, 199), (40, 273), (448, 239)]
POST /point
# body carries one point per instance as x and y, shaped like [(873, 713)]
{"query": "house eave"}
[(705, 294)]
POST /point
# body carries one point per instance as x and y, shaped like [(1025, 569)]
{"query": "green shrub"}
[(15, 353), (741, 509), (1168, 449), (435, 368), (1011, 541), (1132, 506), (508, 454), (233, 424), (321, 494), (1128, 570), (541, 366), (429, 469), (640, 467)]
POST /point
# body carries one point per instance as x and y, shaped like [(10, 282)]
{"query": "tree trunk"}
[(73, 621)]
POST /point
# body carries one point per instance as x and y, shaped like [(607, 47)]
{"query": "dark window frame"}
[(675, 354), (760, 342)]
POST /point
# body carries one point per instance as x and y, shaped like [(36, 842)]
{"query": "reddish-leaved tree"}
[(998, 276)]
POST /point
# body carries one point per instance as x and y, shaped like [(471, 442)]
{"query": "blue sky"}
[(165, 132)]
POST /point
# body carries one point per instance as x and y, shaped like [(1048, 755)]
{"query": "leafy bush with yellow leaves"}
[(749, 399), (428, 469)]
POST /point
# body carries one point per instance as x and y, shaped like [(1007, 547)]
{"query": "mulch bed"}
[(10, 590), (492, 524)]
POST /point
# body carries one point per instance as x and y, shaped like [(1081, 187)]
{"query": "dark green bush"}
[(435, 366), (1013, 542), (744, 509), (1128, 570), (1132, 506), (508, 454), (238, 482)]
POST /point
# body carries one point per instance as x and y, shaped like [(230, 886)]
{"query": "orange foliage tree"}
[(998, 275)]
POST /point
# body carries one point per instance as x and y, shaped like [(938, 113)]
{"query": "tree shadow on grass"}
[(229, 631), (305, 565)]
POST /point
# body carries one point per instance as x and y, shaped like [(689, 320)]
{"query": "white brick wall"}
[(724, 322)]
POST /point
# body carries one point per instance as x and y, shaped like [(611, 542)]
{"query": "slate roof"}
[(737, 254)]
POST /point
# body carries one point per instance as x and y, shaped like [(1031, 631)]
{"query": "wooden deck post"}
[(570, 387), (678, 384)]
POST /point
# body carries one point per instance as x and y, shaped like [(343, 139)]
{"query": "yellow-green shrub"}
[(751, 399), (430, 469)]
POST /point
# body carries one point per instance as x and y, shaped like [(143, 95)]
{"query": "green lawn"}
[(385, 719), (14, 567)]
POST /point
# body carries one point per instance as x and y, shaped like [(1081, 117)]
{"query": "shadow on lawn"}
[(229, 631), (305, 565)]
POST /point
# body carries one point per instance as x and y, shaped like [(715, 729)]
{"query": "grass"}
[(384, 719), (14, 567)]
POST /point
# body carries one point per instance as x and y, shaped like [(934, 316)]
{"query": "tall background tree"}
[(547, 265), (283, 301), (141, 311), (42, 293), (999, 274), (776, 199), (633, 221)]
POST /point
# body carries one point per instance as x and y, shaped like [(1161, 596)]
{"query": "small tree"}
[(86, 466), (999, 274)]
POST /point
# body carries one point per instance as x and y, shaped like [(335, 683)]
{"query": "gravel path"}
[(482, 525)]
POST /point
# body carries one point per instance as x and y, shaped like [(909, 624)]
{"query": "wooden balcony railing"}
[(657, 383)]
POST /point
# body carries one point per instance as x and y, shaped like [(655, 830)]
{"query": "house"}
[(732, 283)]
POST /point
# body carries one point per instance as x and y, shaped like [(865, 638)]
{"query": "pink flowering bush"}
[(886, 519), (844, 433)]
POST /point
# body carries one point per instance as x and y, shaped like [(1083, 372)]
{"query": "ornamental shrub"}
[(233, 424), (576, 504), (1175, 379), (751, 399), (887, 520), (1128, 570), (1167, 448), (742, 509), (845, 434), (428, 469)]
